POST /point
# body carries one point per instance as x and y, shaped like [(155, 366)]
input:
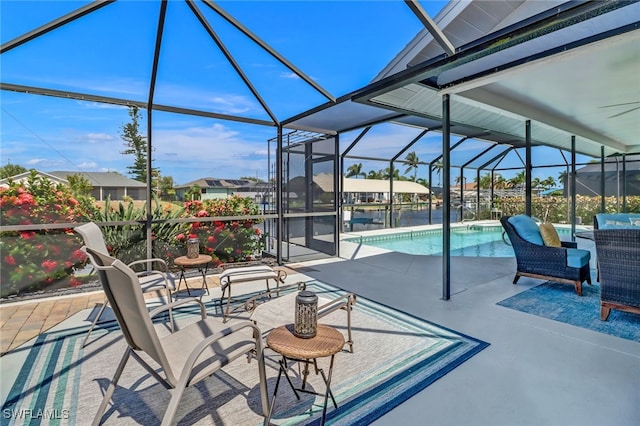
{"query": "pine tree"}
[(136, 145)]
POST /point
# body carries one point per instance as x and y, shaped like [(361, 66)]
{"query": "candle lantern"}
[(193, 248), (306, 320)]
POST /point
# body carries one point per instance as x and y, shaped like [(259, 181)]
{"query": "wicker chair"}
[(544, 262), (618, 253)]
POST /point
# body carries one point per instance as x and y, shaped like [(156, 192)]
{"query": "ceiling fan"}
[(623, 104)]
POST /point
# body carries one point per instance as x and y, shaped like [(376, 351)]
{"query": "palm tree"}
[(374, 174), (548, 183), (438, 168), (386, 174), (519, 179), (412, 162), (355, 170), (485, 181), (536, 183), (562, 178), (422, 181), (500, 182)]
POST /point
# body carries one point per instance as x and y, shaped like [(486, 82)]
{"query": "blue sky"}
[(341, 45)]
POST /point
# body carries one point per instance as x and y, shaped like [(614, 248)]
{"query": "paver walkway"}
[(22, 321)]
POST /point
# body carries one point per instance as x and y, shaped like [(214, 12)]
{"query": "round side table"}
[(201, 263), (327, 342)]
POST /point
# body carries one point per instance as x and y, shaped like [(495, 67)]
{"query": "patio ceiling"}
[(573, 70)]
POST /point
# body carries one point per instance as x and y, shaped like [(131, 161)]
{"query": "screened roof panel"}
[(340, 117), (573, 70)]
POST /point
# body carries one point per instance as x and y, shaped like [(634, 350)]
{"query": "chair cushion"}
[(577, 258), (549, 235), (617, 220), (526, 228)]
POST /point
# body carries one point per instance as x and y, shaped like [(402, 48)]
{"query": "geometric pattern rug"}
[(560, 302), (395, 356)]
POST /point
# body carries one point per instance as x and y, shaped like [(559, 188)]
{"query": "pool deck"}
[(535, 372)]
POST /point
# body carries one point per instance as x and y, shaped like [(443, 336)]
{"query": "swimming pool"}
[(472, 241)]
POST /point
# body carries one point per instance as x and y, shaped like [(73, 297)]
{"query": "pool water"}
[(472, 242)]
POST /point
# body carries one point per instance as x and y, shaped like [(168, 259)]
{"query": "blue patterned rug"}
[(395, 356), (560, 302)]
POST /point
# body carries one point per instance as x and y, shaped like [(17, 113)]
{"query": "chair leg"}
[(262, 377), (515, 279), (578, 286), (172, 408), (111, 388), (604, 312), (169, 301), (95, 321)]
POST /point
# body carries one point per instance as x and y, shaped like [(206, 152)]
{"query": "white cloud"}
[(88, 165), (215, 150), (35, 161), (47, 163), (105, 83), (99, 137), (216, 101), (99, 105), (231, 104), (291, 75)]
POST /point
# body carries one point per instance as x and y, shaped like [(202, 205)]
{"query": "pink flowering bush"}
[(49, 259), (227, 241), (34, 260)]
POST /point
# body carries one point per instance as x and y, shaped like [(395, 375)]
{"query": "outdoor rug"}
[(395, 356), (560, 302)]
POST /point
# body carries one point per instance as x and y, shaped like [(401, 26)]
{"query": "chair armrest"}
[(150, 261), (344, 301), (554, 257), (210, 340), (569, 244), (177, 303), (282, 274), (251, 304), (150, 273)]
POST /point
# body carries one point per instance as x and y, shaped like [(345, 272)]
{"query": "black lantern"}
[(306, 322)]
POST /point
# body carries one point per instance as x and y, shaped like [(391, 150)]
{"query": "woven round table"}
[(201, 263), (327, 342)]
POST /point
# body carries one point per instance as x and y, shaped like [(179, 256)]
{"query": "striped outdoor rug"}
[(395, 356)]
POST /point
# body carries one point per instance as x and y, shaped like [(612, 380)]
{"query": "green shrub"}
[(128, 242), (555, 209)]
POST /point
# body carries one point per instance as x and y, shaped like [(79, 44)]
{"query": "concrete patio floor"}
[(535, 372)]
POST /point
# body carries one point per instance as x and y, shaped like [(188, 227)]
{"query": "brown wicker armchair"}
[(618, 253)]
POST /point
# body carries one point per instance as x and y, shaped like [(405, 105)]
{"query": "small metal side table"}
[(201, 263), (327, 342)]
